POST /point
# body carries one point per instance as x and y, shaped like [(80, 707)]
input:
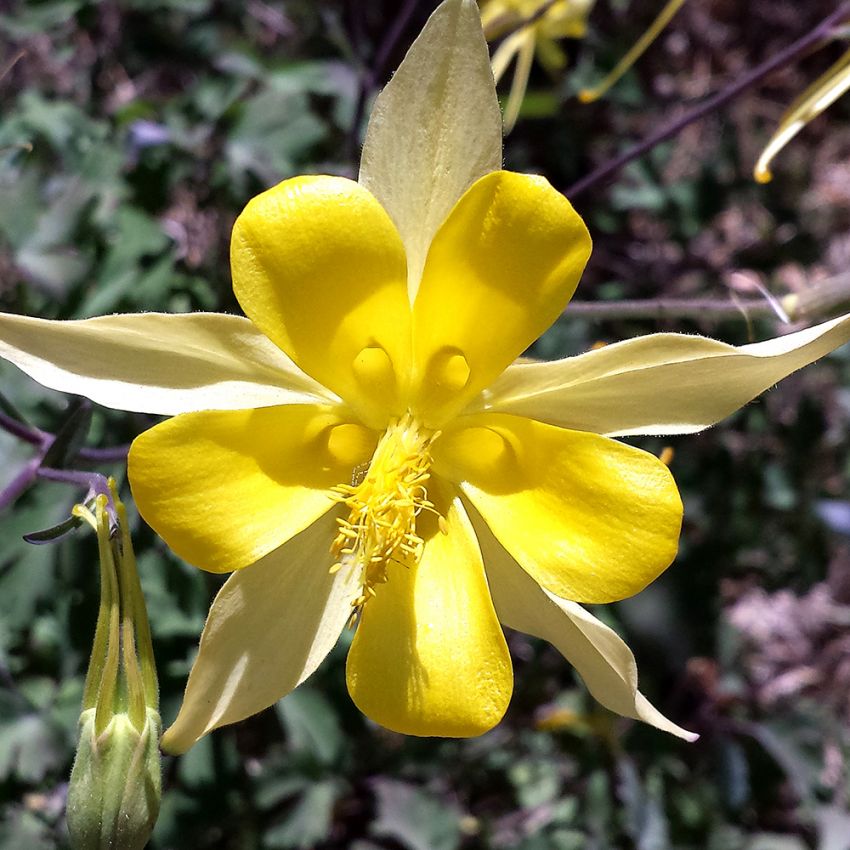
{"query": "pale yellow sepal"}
[(821, 94), (158, 363), (429, 656), (225, 488), (588, 518), (434, 130), (658, 384), (268, 629), (599, 655)]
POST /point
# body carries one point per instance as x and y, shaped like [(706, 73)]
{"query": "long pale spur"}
[(363, 446), (820, 95)]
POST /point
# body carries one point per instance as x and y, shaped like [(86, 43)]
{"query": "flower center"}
[(383, 502)]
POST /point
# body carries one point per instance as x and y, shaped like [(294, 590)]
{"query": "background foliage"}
[(131, 134)]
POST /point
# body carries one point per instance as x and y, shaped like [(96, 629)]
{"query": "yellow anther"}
[(383, 506)]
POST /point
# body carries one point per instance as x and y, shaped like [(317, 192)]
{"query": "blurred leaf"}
[(23, 830), (30, 745), (311, 725), (734, 779), (310, 819), (537, 781), (36, 18), (776, 841), (833, 828), (414, 817), (272, 136)]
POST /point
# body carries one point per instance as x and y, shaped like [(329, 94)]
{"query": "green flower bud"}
[(113, 797), (115, 787)]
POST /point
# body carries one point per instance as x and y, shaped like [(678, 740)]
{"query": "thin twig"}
[(20, 483), (12, 62), (43, 439), (23, 432), (113, 454), (96, 483), (606, 170), (671, 308), (819, 300), (369, 78)]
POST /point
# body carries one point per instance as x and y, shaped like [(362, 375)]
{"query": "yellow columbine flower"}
[(821, 94), (364, 443), (561, 19)]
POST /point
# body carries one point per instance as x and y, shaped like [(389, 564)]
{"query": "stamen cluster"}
[(384, 504)]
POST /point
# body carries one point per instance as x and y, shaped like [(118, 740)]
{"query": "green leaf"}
[(311, 724), (30, 745), (415, 818), (309, 821)]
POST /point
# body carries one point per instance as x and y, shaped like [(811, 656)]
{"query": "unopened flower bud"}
[(113, 797), (115, 787)]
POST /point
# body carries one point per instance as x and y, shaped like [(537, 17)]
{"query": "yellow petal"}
[(588, 518), (319, 267), (658, 384), (497, 17), (268, 629), (567, 19), (429, 657), (158, 363), (223, 489), (599, 655), (500, 271), (434, 130)]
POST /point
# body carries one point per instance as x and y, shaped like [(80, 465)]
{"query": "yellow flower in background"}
[(532, 28), (364, 441), (820, 95), (549, 22)]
